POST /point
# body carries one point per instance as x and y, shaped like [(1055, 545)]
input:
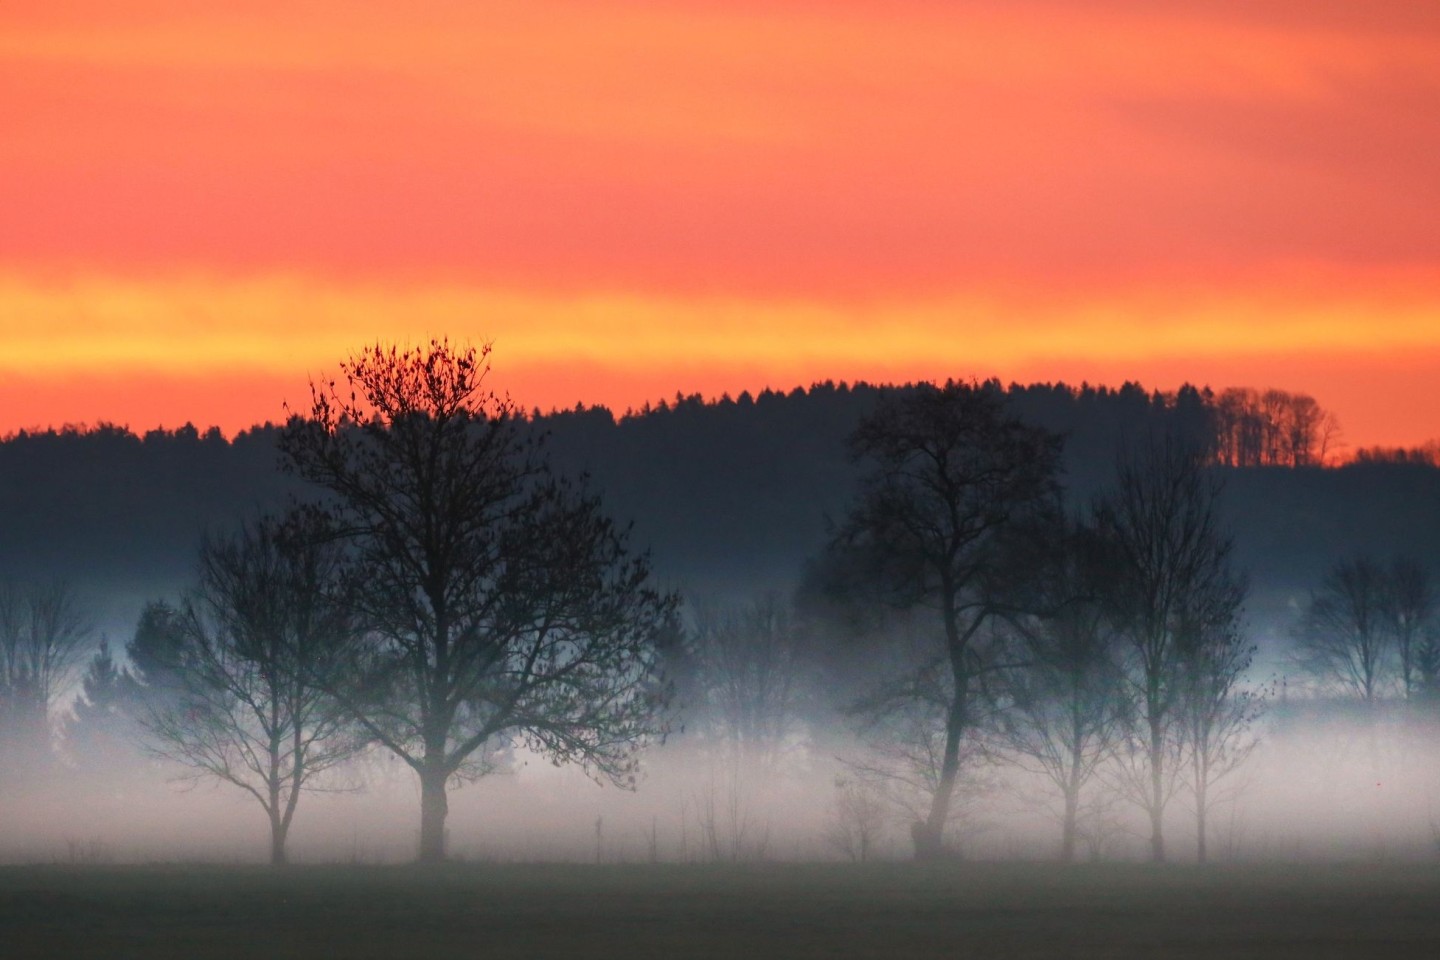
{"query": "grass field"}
[(761, 911)]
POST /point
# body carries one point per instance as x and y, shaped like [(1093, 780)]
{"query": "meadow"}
[(753, 911)]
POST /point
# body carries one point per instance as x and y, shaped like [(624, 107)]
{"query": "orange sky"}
[(199, 209)]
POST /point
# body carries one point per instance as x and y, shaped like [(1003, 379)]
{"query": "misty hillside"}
[(731, 496)]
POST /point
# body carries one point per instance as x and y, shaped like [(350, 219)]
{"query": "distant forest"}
[(731, 496)]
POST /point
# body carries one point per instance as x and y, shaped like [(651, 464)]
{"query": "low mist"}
[(1324, 783)]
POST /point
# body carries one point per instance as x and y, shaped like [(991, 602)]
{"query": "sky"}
[(201, 209)]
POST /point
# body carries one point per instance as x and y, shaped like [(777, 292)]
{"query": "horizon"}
[(1341, 450)]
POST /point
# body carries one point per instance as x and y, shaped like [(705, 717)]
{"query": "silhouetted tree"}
[(155, 647), (102, 730), (253, 649), (1426, 455), (1342, 636), (1167, 555), (749, 661), (1427, 664), (1427, 667), (953, 476), (1409, 613), (1272, 428), (1216, 713), (44, 636), (857, 819), (1066, 702), (499, 602)]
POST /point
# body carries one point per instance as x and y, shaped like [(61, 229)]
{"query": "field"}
[(772, 910)]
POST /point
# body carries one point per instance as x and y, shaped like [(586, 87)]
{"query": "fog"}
[(1323, 784)]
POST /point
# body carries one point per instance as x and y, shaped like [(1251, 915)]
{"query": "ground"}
[(696, 911)]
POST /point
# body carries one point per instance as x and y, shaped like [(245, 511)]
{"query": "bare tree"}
[(1273, 428), (1342, 637), (745, 664), (500, 603), (1427, 664), (904, 727), (1167, 552), (857, 819), (749, 663), (1308, 432), (1066, 703), (1217, 714), (730, 831), (257, 640), (1409, 614), (44, 637), (954, 477)]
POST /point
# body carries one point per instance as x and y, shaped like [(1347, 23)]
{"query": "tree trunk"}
[(1201, 855), (279, 826), (1202, 783), (1157, 794), (927, 844), (433, 808), (277, 841), (929, 834), (1157, 837), (1068, 828)]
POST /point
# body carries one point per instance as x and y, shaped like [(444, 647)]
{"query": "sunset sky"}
[(201, 209)]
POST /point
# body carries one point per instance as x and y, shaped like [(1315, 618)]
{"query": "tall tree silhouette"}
[(500, 603), (1342, 636), (1410, 604), (952, 477), (254, 649), (1168, 555), (1216, 712), (1065, 698), (44, 636)]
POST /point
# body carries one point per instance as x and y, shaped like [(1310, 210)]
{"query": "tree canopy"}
[(500, 605)]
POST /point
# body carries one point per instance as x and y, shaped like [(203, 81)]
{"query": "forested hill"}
[(731, 496)]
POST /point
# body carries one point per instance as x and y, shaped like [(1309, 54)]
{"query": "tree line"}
[(730, 493)]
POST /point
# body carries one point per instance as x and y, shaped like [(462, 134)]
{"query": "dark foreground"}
[(774, 910)]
